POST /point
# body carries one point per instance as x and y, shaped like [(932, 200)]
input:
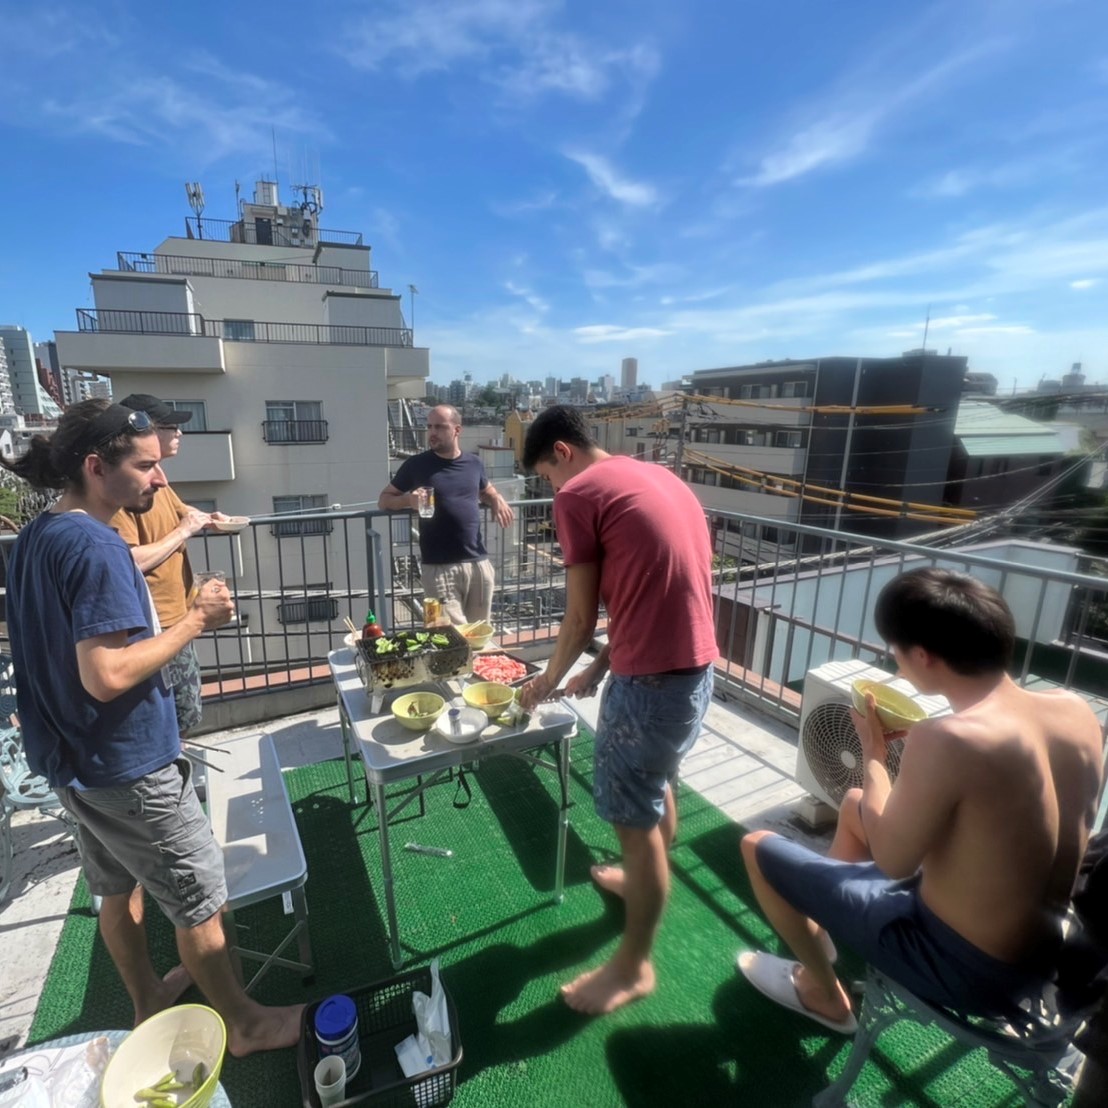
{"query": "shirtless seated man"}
[(954, 880)]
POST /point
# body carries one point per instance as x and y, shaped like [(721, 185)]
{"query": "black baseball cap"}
[(158, 410)]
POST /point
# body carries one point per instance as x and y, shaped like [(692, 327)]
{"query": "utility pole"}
[(412, 290), (847, 445), (679, 453)]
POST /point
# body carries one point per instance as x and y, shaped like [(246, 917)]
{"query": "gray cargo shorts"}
[(151, 832)]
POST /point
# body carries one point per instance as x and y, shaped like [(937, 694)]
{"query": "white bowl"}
[(471, 722), (232, 525), (174, 1039)]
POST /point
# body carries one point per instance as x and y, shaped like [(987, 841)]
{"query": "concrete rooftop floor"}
[(743, 763)]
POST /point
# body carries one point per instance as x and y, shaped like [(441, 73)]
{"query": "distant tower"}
[(629, 373)]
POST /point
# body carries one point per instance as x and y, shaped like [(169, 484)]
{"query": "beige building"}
[(277, 336)]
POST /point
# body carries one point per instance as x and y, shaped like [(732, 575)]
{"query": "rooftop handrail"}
[(182, 265), (121, 321), (273, 232)]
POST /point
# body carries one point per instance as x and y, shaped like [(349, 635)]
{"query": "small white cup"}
[(330, 1080)]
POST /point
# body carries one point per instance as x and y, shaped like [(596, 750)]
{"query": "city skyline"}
[(566, 186)]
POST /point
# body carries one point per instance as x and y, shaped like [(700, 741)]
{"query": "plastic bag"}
[(431, 1045)]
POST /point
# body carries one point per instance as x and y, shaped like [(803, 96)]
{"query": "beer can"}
[(432, 611)]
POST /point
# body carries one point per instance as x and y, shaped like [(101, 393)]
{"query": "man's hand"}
[(536, 691), (193, 523), (502, 511), (587, 681), (872, 733), (214, 604)]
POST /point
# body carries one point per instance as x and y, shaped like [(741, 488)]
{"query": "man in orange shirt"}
[(157, 538)]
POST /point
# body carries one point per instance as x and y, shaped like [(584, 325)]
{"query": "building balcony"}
[(167, 324), (140, 350), (206, 456), (181, 265), (284, 431)]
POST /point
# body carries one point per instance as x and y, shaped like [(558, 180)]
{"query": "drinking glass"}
[(426, 496)]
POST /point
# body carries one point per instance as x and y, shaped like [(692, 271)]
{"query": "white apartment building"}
[(276, 335), (28, 396), (7, 402)]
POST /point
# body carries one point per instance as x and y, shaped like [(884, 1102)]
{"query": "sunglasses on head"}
[(136, 423)]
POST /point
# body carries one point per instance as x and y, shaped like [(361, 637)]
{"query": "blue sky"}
[(568, 183)]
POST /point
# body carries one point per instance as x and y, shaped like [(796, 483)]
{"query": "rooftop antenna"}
[(195, 193), (926, 325), (238, 201), (273, 134)]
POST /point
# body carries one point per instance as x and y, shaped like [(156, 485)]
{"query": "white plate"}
[(232, 525), (471, 722)]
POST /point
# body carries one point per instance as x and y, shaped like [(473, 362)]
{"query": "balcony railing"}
[(777, 614), (118, 321), (234, 330), (264, 232), (182, 266), (294, 430)]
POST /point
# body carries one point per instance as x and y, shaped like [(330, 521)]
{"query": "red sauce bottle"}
[(371, 629)]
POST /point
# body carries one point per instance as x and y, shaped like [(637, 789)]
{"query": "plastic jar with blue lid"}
[(336, 1032)]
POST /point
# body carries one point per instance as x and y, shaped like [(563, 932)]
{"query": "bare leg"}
[(850, 843), (610, 878), (123, 929), (629, 974), (817, 986), (250, 1026)]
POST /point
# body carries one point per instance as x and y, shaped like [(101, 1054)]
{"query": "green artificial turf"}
[(704, 1036)]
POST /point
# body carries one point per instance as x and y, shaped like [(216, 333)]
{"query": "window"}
[(312, 609), (294, 421), (757, 392), (794, 388), (788, 438), (199, 421), (238, 330), (292, 505)]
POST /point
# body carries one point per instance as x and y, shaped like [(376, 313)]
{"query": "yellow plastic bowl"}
[(418, 710), (477, 634), (175, 1039), (490, 696), (896, 711)]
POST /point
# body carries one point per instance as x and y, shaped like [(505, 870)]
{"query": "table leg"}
[(344, 727), (563, 819), (386, 874)]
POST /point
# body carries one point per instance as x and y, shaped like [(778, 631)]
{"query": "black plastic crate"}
[(385, 1018)]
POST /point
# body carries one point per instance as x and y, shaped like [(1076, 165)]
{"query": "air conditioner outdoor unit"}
[(829, 752)]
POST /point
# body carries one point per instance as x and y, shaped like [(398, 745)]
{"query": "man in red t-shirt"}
[(634, 538)]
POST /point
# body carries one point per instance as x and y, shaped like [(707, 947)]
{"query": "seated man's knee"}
[(749, 845)]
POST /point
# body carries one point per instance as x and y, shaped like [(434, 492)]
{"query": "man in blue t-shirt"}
[(98, 719), (456, 566)]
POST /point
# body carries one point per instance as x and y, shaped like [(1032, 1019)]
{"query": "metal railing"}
[(266, 232), (294, 430), (181, 265), (778, 614), (118, 321)]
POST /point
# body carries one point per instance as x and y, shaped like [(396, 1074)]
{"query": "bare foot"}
[(815, 998), (167, 994), (605, 989), (608, 878), (272, 1029)]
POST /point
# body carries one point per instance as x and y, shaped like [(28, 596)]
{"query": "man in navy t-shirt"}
[(98, 720), (456, 566)]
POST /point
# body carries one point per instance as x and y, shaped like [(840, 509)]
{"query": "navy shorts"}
[(888, 924), (151, 832), (647, 724)]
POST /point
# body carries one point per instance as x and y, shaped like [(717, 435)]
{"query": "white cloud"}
[(608, 332), (822, 143), (1084, 283), (529, 297), (602, 174), (515, 43)]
